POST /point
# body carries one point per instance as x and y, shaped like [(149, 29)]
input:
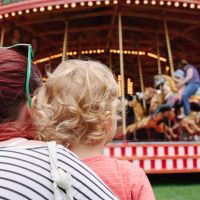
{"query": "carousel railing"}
[(157, 157)]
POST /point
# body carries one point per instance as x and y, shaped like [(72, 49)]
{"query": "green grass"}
[(183, 191), (176, 186)]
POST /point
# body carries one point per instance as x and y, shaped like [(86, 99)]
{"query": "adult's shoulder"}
[(66, 152), (188, 66)]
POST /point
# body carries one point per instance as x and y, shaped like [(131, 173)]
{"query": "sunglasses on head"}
[(25, 50)]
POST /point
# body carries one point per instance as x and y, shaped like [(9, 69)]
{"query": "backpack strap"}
[(60, 178)]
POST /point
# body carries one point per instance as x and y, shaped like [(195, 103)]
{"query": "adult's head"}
[(77, 104), (13, 97), (182, 63)]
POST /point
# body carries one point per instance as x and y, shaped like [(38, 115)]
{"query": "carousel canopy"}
[(92, 31)]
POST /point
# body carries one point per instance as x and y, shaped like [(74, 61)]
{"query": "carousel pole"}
[(158, 53), (141, 80), (169, 51), (2, 36), (122, 73), (65, 43)]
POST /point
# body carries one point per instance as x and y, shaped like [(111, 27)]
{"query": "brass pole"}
[(169, 51), (141, 80), (2, 36), (122, 72), (158, 54), (65, 43)]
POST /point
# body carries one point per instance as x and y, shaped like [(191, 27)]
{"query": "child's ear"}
[(108, 124)]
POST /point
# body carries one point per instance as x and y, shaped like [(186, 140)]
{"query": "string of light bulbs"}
[(101, 51), (48, 8)]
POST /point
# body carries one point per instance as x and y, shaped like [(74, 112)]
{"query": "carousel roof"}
[(93, 31)]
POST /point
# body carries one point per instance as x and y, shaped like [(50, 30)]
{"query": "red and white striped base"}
[(158, 157)]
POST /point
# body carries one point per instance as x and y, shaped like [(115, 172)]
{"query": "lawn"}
[(177, 192), (176, 186)]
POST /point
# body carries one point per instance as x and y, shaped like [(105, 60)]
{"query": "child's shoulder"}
[(131, 173), (127, 166)]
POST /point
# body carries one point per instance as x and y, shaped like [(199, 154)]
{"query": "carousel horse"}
[(151, 122), (162, 117)]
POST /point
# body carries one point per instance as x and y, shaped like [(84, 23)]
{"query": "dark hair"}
[(181, 63), (12, 83)]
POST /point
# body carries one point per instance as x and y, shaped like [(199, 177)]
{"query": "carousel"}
[(142, 42)]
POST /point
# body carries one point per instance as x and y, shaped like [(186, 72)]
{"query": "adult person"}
[(33, 169), (77, 107), (191, 82)]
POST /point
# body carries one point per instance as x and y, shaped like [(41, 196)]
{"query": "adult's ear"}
[(28, 108), (33, 101), (25, 113)]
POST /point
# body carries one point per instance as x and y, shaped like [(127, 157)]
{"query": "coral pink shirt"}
[(124, 178)]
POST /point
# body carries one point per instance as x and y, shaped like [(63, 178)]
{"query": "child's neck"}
[(87, 151)]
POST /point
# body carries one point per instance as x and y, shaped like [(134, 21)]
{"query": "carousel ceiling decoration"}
[(155, 32), (100, 51), (8, 8)]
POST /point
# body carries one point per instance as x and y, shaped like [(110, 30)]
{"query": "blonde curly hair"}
[(75, 103)]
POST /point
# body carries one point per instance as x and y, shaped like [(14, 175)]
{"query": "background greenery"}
[(176, 186)]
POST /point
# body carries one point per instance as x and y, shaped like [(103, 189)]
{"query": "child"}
[(79, 104)]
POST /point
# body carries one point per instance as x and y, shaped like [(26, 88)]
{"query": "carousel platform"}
[(159, 157)]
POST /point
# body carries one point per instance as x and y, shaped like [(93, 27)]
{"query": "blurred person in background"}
[(191, 81)]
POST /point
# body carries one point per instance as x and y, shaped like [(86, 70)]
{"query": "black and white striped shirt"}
[(25, 174)]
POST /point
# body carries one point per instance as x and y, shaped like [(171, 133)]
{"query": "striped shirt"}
[(25, 174)]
